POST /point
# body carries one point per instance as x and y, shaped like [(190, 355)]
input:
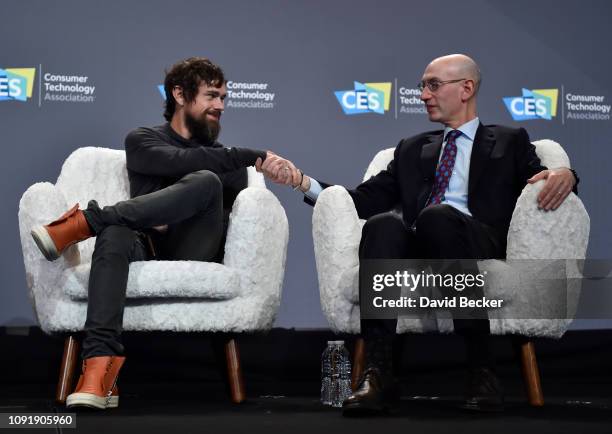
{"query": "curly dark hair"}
[(189, 74)]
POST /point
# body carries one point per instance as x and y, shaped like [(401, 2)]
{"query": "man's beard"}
[(202, 130)]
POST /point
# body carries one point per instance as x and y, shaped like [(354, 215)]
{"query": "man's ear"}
[(177, 93), (469, 88)]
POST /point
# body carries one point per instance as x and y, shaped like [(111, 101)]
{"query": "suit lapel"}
[(430, 153), (481, 151)]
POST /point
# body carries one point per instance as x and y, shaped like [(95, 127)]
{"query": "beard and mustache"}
[(202, 130)]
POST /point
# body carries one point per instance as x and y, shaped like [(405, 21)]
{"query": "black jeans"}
[(440, 232), (193, 210)]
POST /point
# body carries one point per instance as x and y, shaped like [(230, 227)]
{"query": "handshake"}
[(282, 171)]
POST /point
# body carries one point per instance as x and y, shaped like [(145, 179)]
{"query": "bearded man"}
[(182, 185)]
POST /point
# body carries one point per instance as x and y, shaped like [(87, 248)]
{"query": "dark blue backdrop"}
[(303, 52)]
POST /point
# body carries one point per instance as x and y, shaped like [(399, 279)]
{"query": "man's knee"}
[(205, 180), (441, 230), (435, 219), (384, 236), (382, 224)]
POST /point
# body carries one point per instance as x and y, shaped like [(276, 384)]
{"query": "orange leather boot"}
[(54, 238), (97, 386)]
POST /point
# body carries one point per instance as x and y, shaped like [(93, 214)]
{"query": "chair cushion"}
[(153, 279)]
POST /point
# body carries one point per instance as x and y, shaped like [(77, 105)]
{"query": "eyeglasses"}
[(433, 84)]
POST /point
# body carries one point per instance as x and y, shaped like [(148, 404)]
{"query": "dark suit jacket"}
[(502, 161)]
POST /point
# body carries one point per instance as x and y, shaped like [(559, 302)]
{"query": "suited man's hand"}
[(559, 183)]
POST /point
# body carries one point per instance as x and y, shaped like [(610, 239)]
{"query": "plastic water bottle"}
[(335, 374), (326, 375), (341, 383)]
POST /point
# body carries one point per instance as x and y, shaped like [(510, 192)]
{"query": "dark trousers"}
[(193, 210), (440, 232)]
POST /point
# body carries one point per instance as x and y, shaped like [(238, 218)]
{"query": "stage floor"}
[(168, 409), (170, 385)]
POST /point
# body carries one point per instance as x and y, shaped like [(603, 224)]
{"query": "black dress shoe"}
[(375, 394), (484, 392)]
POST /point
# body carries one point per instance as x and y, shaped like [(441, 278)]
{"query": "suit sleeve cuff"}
[(314, 190)]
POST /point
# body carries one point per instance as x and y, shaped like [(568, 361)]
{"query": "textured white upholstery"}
[(242, 294), (533, 234)]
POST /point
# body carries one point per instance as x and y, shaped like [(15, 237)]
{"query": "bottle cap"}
[(335, 342)]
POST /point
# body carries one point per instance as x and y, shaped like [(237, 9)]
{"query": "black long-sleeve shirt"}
[(158, 157)]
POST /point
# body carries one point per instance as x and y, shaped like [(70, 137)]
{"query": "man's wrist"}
[(576, 179), (305, 184)]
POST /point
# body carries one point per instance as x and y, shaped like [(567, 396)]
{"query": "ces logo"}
[(16, 84), (533, 104), (365, 98)]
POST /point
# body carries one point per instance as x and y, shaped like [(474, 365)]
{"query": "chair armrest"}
[(257, 239), (539, 234), (41, 203), (550, 235), (255, 179), (336, 232)]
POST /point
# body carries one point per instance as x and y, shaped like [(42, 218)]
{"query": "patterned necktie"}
[(445, 168)]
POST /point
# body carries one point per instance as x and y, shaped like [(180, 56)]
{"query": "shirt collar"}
[(170, 131), (183, 140), (468, 129)]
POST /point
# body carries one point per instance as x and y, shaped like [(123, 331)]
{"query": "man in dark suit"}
[(457, 188)]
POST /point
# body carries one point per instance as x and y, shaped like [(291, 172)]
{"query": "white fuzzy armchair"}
[(240, 295), (533, 234)]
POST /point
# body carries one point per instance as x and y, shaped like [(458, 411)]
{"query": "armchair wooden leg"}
[(234, 371), (67, 369), (358, 361), (531, 373)]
